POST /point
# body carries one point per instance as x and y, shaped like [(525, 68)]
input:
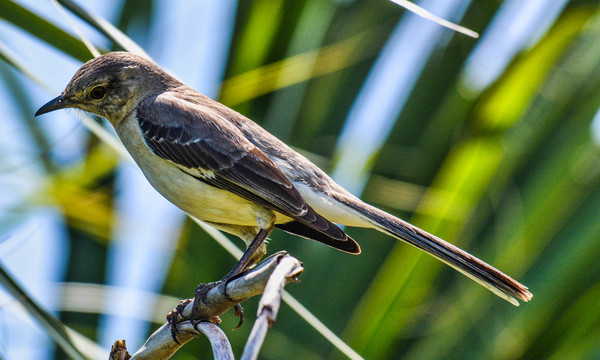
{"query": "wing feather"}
[(205, 145)]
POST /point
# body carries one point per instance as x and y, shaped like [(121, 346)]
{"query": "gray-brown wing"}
[(196, 138)]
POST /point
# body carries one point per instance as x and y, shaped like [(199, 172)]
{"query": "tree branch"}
[(269, 277), (269, 305)]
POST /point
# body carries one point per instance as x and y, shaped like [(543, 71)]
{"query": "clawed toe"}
[(173, 316), (239, 312), (200, 295)]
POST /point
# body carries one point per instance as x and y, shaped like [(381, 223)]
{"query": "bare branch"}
[(119, 351), (269, 277), (269, 303), (218, 340), (226, 295), (160, 345)]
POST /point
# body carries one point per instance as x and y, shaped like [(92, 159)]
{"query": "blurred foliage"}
[(510, 174)]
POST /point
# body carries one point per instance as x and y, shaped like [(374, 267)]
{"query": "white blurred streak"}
[(516, 26), (33, 245), (596, 128), (36, 261), (386, 90), (429, 16), (88, 44)]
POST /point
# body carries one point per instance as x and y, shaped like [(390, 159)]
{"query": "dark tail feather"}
[(297, 228), (491, 278)]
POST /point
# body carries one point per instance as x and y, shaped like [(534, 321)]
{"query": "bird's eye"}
[(98, 92)]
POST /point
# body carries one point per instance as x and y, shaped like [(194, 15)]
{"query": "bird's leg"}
[(248, 258), (249, 255)]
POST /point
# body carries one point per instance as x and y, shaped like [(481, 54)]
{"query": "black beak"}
[(54, 104)]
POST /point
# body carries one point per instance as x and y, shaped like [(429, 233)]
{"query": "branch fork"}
[(267, 278)]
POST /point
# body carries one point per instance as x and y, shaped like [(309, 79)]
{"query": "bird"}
[(224, 169)]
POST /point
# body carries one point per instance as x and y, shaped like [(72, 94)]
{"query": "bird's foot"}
[(172, 318), (200, 297)]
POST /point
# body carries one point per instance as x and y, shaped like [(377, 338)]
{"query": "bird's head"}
[(111, 86)]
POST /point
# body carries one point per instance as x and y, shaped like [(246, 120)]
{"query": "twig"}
[(119, 351), (269, 277), (160, 345), (218, 340), (269, 303)]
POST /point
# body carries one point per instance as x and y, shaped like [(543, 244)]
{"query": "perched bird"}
[(222, 168)]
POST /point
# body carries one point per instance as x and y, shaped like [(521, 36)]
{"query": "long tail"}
[(489, 277)]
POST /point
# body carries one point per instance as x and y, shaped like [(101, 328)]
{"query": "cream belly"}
[(193, 196), (198, 199)]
